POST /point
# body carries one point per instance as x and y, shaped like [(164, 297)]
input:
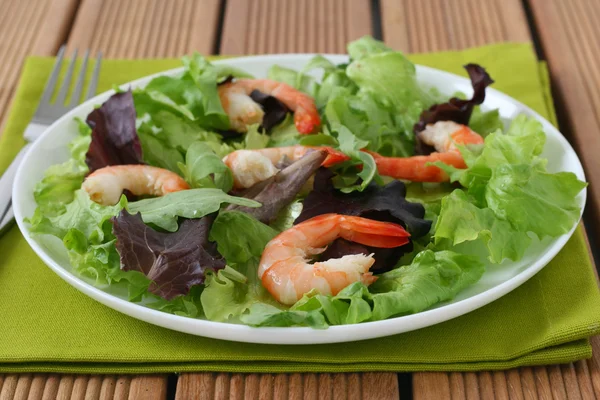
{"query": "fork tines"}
[(48, 112)]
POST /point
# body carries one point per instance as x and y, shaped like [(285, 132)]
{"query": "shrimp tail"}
[(373, 233), (333, 156)]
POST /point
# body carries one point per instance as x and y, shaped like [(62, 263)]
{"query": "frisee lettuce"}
[(509, 194)]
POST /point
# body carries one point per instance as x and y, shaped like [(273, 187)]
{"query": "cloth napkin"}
[(46, 325)]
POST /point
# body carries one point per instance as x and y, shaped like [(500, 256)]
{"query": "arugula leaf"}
[(194, 203), (158, 153)]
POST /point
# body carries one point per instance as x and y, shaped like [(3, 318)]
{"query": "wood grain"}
[(569, 38), (293, 26), (433, 25), (130, 29), (145, 28), (366, 386), (28, 27)]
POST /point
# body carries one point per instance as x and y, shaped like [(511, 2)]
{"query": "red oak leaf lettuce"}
[(279, 190), (457, 110), (275, 110), (114, 137), (381, 203), (174, 262)]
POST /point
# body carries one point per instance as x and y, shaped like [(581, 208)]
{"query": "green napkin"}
[(46, 325)]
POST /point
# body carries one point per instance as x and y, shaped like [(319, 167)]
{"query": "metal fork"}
[(45, 115)]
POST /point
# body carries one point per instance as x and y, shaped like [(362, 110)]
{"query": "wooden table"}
[(566, 34)]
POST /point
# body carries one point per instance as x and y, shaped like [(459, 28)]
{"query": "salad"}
[(292, 201)]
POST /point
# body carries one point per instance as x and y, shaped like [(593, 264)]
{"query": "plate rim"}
[(290, 335)]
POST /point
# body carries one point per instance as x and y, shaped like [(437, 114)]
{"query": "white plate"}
[(51, 149)]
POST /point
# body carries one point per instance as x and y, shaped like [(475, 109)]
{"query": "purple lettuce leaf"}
[(174, 262), (381, 203), (114, 137), (275, 110), (457, 110), (281, 189)]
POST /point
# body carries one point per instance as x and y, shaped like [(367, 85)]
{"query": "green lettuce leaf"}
[(432, 277), (82, 214), (510, 195), (533, 200), (366, 46), (461, 221), (231, 292), (240, 237), (293, 78), (158, 153), (57, 188), (205, 76), (486, 122), (253, 139), (193, 95), (203, 168), (351, 145), (391, 77), (194, 203), (180, 133)]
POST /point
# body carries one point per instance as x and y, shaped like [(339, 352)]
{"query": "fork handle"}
[(6, 184)]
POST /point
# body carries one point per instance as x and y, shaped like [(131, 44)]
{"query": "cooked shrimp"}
[(252, 166), (443, 136), (105, 185), (243, 111), (285, 268)]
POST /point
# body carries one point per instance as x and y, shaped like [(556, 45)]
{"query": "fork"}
[(45, 114)]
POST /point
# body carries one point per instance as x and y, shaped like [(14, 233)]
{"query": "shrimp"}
[(285, 268), (443, 136), (252, 166), (243, 111), (105, 185)]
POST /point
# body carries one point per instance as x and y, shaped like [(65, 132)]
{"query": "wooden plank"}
[(431, 385), (366, 386), (291, 26), (51, 387), (569, 38), (28, 27), (148, 387), (145, 28), (36, 390), (433, 25), (55, 27), (9, 387), (23, 385)]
